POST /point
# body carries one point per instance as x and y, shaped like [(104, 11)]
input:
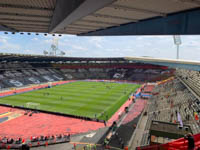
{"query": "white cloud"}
[(68, 35), (97, 41), (10, 48), (3, 39), (27, 50), (35, 39), (78, 47), (191, 44), (48, 41), (6, 46)]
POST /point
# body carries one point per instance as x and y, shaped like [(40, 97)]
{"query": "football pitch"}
[(81, 98)]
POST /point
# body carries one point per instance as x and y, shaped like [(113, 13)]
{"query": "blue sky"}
[(111, 46)]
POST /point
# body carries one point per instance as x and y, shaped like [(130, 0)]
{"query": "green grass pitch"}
[(81, 98)]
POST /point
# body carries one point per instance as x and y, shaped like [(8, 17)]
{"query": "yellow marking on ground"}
[(13, 115), (5, 114)]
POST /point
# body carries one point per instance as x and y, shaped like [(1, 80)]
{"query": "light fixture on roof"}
[(177, 42), (60, 35), (45, 52), (45, 34), (53, 34), (5, 32), (21, 33), (13, 32), (29, 33), (62, 53), (36, 33)]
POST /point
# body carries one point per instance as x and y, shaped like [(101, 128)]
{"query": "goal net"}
[(32, 105)]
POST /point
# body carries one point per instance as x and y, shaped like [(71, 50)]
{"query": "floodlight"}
[(45, 52), (177, 42)]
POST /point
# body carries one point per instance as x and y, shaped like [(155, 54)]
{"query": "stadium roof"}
[(101, 17), (43, 58), (172, 63)]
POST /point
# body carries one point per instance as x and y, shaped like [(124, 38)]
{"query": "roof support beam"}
[(79, 28), (24, 7), (137, 9), (183, 23), (67, 12), (62, 11), (89, 26), (98, 22), (23, 20), (22, 15), (6, 28), (25, 25), (190, 1), (84, 27), (114, 17)]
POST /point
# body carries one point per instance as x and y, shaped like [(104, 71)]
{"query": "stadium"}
[(95, 103)]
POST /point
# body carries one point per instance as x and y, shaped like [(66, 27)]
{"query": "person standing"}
[(191, 143), (95, 147), (74, 146)]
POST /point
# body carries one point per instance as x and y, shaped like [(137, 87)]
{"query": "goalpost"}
[(32, 105)]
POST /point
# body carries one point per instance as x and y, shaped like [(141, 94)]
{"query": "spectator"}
[(46, 138), (75, 146), (191, 144), (104, 122), (122, 144), (95, 146), (106, 141)]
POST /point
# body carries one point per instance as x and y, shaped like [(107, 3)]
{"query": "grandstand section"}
[(172, 102), (21, 70)]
